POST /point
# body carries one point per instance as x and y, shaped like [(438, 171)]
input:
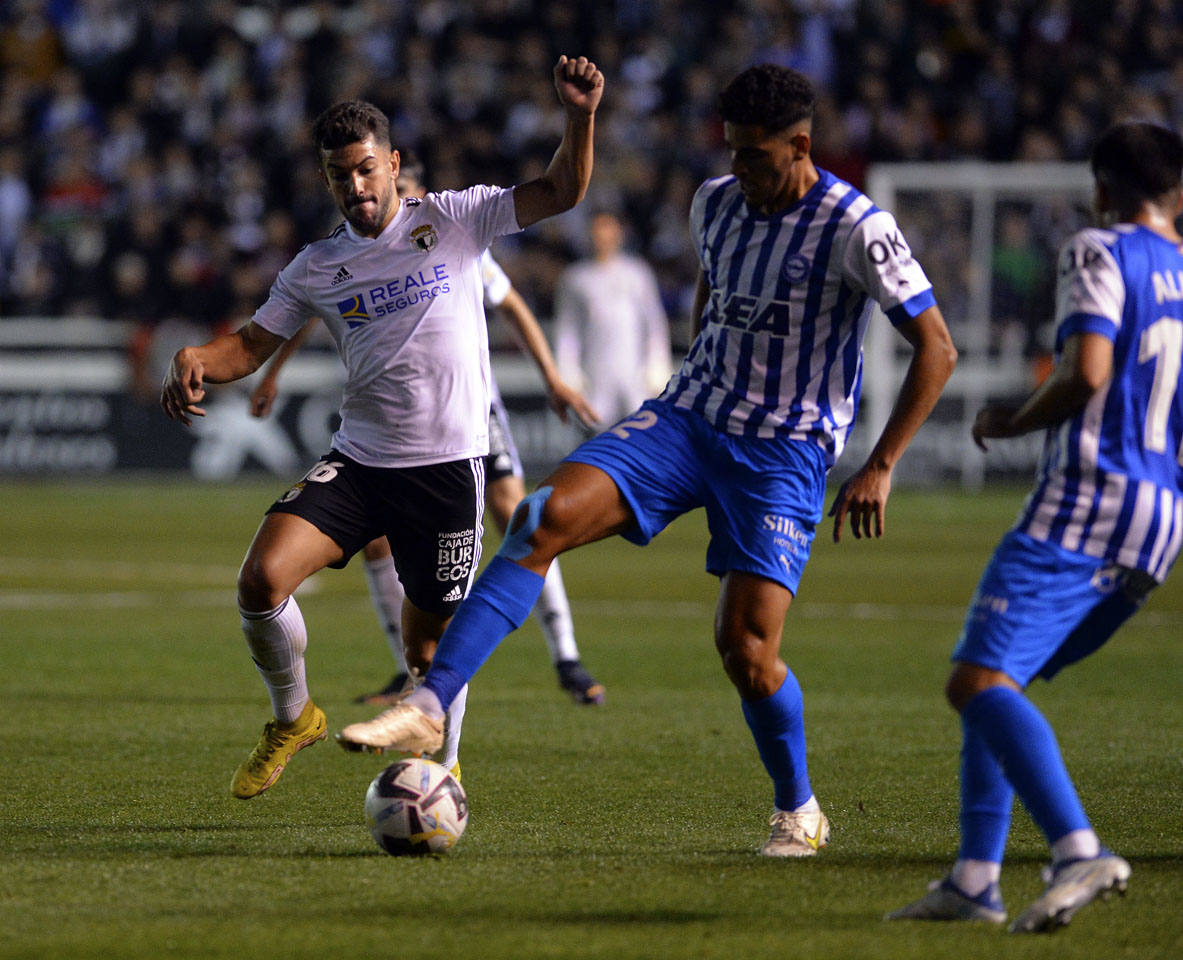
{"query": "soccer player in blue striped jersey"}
[(1100, 530), (748, 429)]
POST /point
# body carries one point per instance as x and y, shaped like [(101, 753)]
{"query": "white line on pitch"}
[(98, 569), (657, 609)]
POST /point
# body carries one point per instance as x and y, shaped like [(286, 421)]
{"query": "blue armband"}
[(525, 520)]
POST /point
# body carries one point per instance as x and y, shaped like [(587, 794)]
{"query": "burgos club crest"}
[(424, 238)]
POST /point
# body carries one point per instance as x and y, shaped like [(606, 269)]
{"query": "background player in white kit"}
[(504, 486), (612, 335), (1101, 530), (748, 428), (398, 286)]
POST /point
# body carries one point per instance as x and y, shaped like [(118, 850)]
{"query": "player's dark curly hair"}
[(769, 96), (1138, 161), (350, 121)]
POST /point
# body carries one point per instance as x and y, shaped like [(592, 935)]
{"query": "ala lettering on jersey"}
[(1168, 287)]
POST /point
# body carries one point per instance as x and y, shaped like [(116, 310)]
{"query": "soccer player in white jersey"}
[(748, 428), (398, 285), (1101, 529), (504, 486), (611, 332)]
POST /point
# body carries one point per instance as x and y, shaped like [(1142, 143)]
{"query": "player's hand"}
[(992, 422), (864, 498), (263, 397), (564, 399), (579, 83), (183, 387)]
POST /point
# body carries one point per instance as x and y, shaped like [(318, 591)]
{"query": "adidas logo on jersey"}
[(342, 275), (454, 594)]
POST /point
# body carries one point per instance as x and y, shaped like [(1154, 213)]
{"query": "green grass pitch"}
[(626, 831)]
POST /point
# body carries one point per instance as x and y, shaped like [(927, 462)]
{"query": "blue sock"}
[(986, 801), (778, 726), (1023, 743), (499, 602)]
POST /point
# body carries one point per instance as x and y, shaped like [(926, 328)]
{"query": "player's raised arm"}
[(864, 496), (222, 360), (579, 84)]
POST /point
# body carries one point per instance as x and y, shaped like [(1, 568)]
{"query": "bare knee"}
[(575, 505), (539, 528), (259, 584), (752, 664), (748, 624), (969, 679)]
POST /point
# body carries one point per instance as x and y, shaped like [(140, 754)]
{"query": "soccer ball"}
[(416, 806)]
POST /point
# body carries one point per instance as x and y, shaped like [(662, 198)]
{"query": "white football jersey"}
[(494, 281), (406, 312)]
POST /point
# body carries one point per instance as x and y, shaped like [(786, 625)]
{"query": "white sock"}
[(455, 722), (974, 876), (809, 806), (553, 611), (425, 699), (386, 593), (277, 640), (1077, 845)]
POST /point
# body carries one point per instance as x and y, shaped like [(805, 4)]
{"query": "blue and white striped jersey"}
[(1110, 482), (780, 349)]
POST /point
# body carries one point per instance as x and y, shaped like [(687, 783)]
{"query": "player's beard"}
[(360, 218)]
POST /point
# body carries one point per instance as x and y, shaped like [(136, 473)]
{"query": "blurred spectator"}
[(612, 336), (176, 132), (30, 45), (16, 205)]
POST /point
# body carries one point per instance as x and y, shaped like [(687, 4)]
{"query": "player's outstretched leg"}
[(499, 603), (455, 721), (277, 640)]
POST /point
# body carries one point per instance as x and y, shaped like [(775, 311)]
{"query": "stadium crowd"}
[(155, 162)]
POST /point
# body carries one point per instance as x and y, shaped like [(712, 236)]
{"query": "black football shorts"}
[(431, 515)]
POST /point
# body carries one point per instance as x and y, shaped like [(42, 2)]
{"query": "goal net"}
[(987, 236)]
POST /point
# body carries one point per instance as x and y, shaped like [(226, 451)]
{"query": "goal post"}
[(987, 235)]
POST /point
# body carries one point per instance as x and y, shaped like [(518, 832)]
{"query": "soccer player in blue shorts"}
[(1099, 532), (749, 427)]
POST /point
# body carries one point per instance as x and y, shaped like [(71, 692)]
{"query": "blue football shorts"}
[(1039, 608), (763, 497)]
